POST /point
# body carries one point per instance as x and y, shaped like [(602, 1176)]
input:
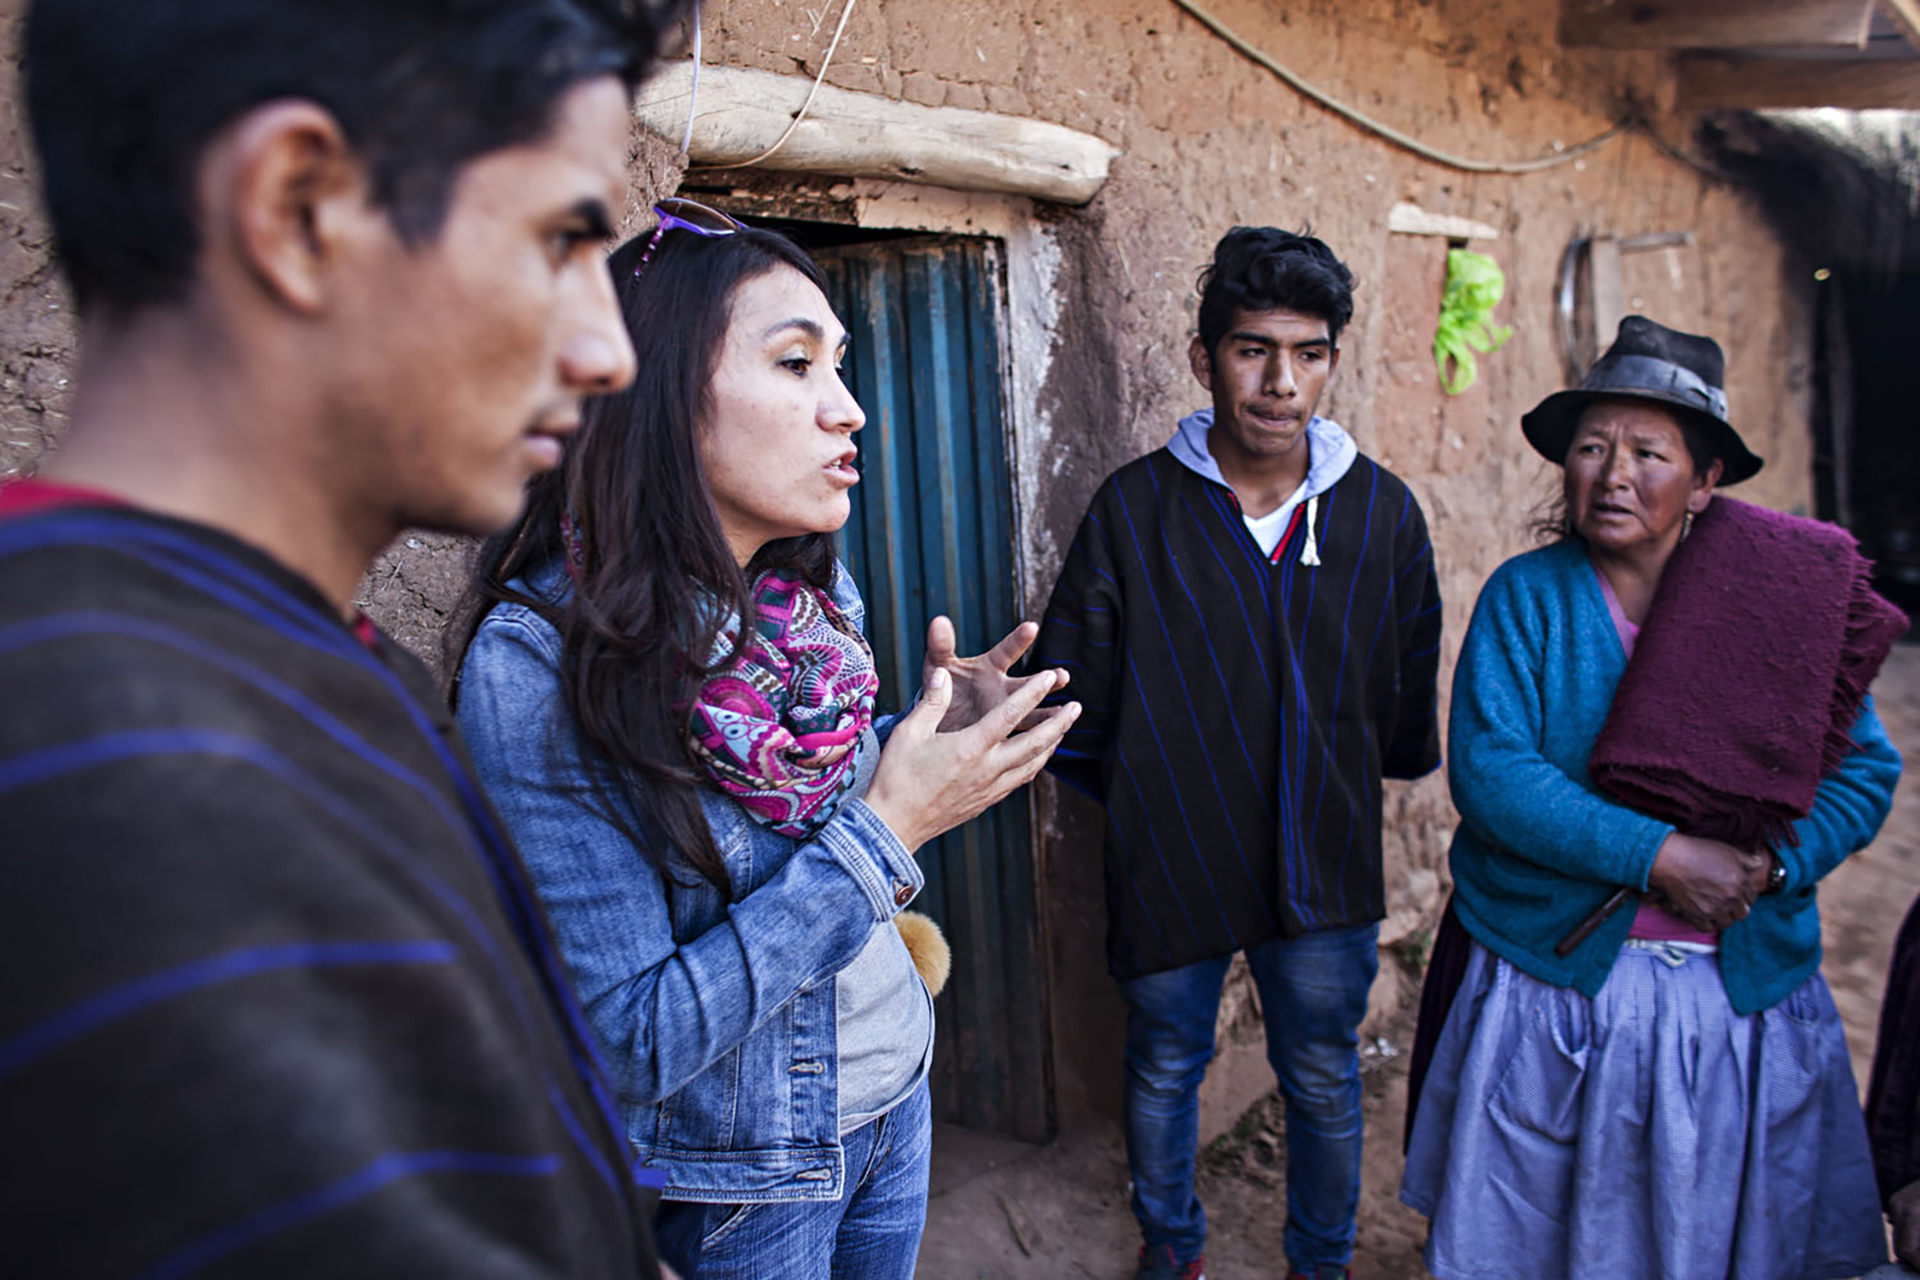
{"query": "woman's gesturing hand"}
[(980, 683), (1708, 884), (930, 781)]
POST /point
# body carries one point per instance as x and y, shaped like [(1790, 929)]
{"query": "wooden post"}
[(1609, 298), (1839, 402)]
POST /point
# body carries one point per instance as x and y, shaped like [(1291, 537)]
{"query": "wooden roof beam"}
[(1718, 24), (1706, 82)]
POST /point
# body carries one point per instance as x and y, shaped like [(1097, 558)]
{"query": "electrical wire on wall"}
[(1353, 115), (693, 98), (1361, 119), (798, 116)]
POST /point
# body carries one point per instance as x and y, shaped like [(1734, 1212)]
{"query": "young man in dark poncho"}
[(279, 1001), (1252, 622)]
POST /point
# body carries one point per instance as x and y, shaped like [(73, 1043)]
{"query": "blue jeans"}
[(871, 1233), (1313, 990)]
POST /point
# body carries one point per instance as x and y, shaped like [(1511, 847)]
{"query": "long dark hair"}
[(655, 579)]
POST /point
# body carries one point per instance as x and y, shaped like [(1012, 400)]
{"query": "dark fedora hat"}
[(1649, 361)]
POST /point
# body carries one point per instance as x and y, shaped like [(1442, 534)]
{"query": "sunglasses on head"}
[(687, 215)]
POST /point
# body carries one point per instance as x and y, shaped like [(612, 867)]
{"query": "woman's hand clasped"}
[(931, 778), (1708, 884)]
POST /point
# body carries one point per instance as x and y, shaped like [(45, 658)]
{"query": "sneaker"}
[(1159, 1264), (1322, 1273)]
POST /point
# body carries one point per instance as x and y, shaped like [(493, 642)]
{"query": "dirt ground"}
[(1004, 1210)]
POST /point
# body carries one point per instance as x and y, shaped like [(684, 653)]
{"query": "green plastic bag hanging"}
[(1475, 285)]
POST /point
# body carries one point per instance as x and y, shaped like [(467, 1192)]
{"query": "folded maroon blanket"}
[(1747, 676)]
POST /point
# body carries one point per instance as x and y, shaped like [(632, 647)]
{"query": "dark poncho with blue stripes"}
[(1239, 712), (279, 1000)]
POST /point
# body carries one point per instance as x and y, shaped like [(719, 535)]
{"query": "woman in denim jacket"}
[(719, 838)]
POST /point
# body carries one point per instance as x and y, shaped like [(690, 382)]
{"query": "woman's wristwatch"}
[(1776, 873)]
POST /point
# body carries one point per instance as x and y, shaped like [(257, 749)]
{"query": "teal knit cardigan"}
[(1539, 847)]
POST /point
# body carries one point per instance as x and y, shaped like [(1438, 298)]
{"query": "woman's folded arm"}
[(1502, 781)]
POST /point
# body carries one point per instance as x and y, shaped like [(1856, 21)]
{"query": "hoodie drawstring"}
[(1310, 552)]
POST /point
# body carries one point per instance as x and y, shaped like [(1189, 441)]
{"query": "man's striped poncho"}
[(1240, 710)]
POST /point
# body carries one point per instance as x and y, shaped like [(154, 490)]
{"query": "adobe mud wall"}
[(1210, 140)]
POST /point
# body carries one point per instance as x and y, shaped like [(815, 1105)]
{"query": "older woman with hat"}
[(1665, 710)]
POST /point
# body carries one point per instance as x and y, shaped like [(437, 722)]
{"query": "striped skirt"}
[(1648, 1132)]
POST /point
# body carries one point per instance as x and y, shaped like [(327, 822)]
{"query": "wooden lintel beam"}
[(1905, 14), (1706, 82), (742, 111), (1716, 24)]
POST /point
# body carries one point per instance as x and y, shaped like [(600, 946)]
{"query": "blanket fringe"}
[(1873, 624)]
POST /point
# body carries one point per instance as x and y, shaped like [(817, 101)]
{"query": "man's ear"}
[(1200, 360), (291, 197)]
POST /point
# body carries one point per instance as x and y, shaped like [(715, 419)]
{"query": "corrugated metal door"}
[(932, 532)]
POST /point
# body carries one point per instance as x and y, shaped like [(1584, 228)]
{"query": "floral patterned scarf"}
[(779, 730)]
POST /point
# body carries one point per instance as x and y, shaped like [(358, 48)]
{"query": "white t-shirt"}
[(1267, 530)]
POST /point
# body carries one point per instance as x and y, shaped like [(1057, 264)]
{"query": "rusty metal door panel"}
[(932, 532)]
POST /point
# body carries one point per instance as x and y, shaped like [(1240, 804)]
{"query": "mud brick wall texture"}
[(1209, 140)]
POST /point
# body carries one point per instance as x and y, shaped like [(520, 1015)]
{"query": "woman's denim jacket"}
[(716, 1017)]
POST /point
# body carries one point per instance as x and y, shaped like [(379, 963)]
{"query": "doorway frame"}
[(1028, 318)]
